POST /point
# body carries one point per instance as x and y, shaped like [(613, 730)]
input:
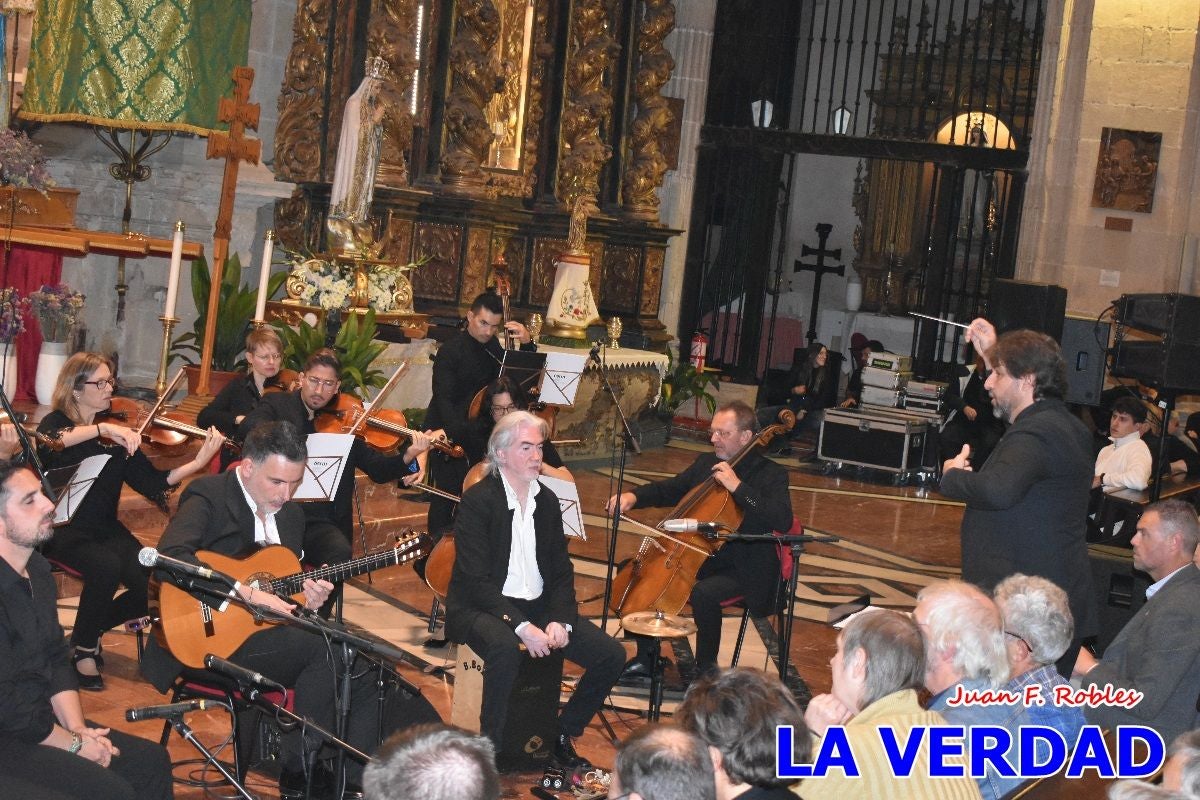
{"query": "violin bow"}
[(655, 533), (158, 404), (380, 396)]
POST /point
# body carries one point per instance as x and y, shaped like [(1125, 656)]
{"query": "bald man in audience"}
[(662, 763), (1157, 653)]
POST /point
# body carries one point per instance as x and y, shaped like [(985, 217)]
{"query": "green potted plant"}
[(354, 343), (684, 382), (235, 309)]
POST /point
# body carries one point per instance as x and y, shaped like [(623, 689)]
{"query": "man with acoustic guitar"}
[(759, 487), (251, 506)]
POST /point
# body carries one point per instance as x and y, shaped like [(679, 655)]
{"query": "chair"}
[(206, 685), (786, 566)]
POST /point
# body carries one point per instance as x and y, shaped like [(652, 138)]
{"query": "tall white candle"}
[(264, 273), (176, 262)]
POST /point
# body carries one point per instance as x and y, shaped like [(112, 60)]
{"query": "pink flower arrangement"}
[(57, 309), (12, 314), (21, 162)]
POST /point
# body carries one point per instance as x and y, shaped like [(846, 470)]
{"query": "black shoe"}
[(636, 671), (565, 755), (292, 784), (91, 683)]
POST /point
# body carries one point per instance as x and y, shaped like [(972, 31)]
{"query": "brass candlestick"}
[(534, 326), (160, 385)]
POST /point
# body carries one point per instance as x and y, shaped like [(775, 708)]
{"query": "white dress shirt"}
[(265, 530), (524, 579)]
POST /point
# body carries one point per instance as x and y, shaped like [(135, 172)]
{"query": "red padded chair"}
[(786, 567)]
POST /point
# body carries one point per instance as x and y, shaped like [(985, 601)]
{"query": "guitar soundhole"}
[(262, 582)]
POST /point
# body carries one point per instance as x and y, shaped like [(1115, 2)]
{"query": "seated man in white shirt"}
[(1126, 463)]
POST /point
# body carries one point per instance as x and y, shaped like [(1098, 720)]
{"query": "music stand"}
[(526, 367)]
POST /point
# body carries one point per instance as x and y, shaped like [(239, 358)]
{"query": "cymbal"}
[(656, 623)]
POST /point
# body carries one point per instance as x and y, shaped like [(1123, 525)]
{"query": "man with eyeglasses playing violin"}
[(319, 382), (749, 570)]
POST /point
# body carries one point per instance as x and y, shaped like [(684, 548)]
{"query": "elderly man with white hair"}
[(965, 654), (1038, 628)]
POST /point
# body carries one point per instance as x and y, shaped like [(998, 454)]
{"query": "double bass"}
[(661, 575)]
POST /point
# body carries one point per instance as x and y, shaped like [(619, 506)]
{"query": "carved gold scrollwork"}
[(392, 34), (472, 83), (297, 137), (290, 215), (647, 164), (521, 181), (587, 103)]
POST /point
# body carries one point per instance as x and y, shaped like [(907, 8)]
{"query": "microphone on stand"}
[(240, 674), (149, 557), (170, 710), (688, 525)]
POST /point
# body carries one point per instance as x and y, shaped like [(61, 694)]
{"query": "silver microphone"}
[(149, 557), (688, 525)]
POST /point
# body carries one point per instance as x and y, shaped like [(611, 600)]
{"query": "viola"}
[(382, 428), (41, 438), (130, 413), (660, 576)]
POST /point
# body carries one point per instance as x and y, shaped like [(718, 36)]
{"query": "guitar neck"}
[(406, 550)]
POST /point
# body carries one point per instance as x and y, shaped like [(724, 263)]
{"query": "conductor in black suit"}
[(513, 584), (251, 506)]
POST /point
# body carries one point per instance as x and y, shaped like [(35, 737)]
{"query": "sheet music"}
[(77, 487), (568, 504), (562, 377), (327, 457)]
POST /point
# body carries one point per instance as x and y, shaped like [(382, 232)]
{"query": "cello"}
[(660, 576)]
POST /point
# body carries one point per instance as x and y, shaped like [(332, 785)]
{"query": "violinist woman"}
[(759, 487), (95, 543), (501, 397), (264, 356)]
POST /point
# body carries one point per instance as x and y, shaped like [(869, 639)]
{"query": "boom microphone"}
[(169, 710), (688, 525), (238, 673)]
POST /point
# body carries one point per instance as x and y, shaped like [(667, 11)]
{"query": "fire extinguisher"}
[(699, 350)]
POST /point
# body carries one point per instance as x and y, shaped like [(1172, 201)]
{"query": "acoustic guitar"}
[(191, 628)]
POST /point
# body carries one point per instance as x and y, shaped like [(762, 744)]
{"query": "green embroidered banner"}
[(142, 64)]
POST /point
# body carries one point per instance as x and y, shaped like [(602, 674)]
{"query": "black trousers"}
[(106, 561), (601, 656), (41, 772), (300, 660)]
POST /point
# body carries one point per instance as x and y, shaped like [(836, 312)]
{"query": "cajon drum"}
[(532, 723)]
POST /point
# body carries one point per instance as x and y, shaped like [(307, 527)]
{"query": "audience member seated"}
[(433, 762), (662, 763), (1182, 770), (877, 671), (1181, 456), (1038, 629), (735, 713), (1158, 651), (965, 652), (1126, 463), (970, 418)]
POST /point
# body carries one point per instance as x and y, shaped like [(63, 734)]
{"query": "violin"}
[(381, 428), (166, 431), (660, 576)]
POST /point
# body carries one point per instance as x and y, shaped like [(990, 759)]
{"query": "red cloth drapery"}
[(26, 269)]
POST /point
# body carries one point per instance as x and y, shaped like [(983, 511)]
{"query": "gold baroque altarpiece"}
[(498, 114)]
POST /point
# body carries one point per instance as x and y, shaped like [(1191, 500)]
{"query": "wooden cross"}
[(819, 268), (235, 148)]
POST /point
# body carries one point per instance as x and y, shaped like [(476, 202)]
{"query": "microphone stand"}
[(30, 451), (795, 543), (627, 441), (188, 734)]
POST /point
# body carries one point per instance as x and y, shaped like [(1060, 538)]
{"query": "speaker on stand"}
[(1013, 305)]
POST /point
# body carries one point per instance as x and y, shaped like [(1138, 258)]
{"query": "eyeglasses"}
[(502, 410), (720, 434), (103, 383), (1020, 639), (317, 383)]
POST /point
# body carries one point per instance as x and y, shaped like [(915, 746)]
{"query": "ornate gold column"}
[(472, 84), (647, 164), (392, 35), (586, 104)]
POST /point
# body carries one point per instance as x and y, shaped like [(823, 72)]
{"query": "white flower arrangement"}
[(330, 284)]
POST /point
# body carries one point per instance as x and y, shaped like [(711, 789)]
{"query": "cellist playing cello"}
[(759, 487)]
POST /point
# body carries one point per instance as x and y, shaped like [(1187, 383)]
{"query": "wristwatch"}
[(76, 743)]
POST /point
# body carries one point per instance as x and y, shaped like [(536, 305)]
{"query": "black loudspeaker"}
[(1169, 362), (1084, 346), (1022, 304), (1119, 589)]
